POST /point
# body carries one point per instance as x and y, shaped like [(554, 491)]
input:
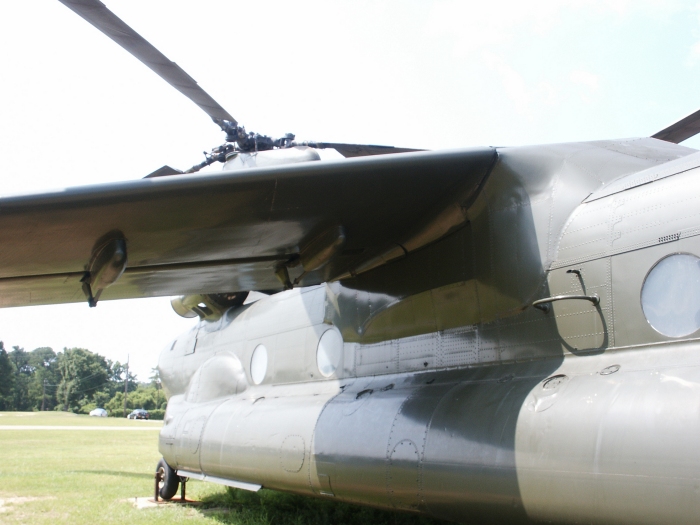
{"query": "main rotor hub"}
[(249, 141)]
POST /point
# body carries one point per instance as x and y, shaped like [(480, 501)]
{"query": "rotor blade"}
[(679, 131), (358, 150), (103, 19), (164, 171)]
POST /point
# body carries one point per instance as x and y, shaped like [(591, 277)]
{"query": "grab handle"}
[(543, 304)]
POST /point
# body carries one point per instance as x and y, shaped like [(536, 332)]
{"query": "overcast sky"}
[(77, 109)]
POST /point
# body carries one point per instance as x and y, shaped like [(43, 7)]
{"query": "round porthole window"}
[(258, 364), (329, 352), (671, 295)]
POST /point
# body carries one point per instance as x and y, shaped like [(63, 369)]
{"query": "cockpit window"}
[(671, 295)]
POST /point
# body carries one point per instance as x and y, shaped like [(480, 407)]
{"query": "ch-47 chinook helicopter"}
[(484, 335)]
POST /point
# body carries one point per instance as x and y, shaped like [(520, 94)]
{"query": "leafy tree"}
[(117, 374), (6, 380), (100, 399), (75, 379), (83, 374), (155, 382), (23, 372), (143, 397), (45, 379)]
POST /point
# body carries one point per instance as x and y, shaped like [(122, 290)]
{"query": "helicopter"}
[(484, 334)]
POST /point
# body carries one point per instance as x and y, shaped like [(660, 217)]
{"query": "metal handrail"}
[(543, 304)]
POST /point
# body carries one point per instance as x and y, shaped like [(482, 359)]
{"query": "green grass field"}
[(86, 476)]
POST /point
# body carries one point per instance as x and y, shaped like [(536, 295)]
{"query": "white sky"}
[(77, 109)]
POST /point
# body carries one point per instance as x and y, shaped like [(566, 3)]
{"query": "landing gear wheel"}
[(167, 479)]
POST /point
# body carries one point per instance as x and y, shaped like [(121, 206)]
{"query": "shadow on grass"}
[(268, 507), (119, 473)]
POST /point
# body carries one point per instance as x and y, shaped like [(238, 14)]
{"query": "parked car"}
[(98, 412), (139, 413)]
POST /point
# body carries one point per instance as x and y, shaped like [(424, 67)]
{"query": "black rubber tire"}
[(170, 480)]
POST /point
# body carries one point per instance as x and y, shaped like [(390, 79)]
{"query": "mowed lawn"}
[(82, 476)]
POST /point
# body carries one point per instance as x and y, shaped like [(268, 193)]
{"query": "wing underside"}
[(232, 231)]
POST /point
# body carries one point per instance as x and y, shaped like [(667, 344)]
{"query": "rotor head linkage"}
[(249, 141), (239, 141), (218, 154)]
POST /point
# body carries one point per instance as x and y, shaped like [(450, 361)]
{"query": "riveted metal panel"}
[(639, 217), (459, 347), (380, 358)]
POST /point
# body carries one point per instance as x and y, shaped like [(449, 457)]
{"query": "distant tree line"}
[(74, 380)]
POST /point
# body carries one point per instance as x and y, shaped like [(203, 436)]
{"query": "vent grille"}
[(670, 238)]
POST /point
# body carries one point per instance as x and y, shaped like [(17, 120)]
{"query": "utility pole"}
[(126, 382), (157, 395), (43, 396)]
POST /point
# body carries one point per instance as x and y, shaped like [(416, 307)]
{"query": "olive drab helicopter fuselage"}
[(506, 335), (444, 390)]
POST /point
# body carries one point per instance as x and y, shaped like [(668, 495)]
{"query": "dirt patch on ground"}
[(7, 502), (149, 503)]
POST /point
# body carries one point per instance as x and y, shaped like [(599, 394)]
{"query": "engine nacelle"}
[(209, 307)]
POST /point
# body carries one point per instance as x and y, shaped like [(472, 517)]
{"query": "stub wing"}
[(234, 231)]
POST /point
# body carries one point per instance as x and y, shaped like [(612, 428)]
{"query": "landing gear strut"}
[(167, 481)]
